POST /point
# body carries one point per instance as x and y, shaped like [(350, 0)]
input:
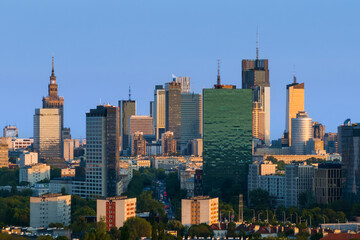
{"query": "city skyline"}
[(321, 61)]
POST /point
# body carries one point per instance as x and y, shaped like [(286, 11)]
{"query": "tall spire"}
[(294, 73), (52, 73), (129, 92), (257, 43), (218, 73)]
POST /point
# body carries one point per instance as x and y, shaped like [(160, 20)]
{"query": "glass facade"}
[(227, 133)]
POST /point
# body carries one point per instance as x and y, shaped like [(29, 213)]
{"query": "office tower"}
[(127, 109), (301, 132), (349, 148), (294, 104), (191, 119), (255, 76), (331, 143), (115, 210), (298, 179), (11, 132), (68, 149), (28, 158), (168, 144), (318, 131), (50, 208), (47, 135), (227, 138), (159, 111), (34, 173), (173, 109), (184, 82), (102, 151), (53, 100), (138, 144), (327, 183), (142, 124), (4, 155), (65, 133), (200, 209), (151, 108), (258, 116)]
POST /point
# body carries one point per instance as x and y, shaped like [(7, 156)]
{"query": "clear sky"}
[(102, 47)]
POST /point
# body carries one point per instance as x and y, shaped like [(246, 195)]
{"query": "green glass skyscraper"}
[(227, 133)]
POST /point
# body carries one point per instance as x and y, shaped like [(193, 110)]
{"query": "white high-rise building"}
[(50, 208), (47, 133), (185, 83), (301, 132)]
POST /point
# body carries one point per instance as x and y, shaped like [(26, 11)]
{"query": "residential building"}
[(61, 185), (47, 135), (227, 137), (28, 158), (159, 111), (191, 120), (349, 148), (173, 110), (34, 173), (127, 109), (102, 151), (138, 144), (294, 104), (53, 101), (301, 132), (115, 210), (327, 183), (4, 155), (255, 76), (11, 132), (168, 144), (50, 208), (200, 209)]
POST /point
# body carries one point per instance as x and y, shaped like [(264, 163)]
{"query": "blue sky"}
[(102, 47)]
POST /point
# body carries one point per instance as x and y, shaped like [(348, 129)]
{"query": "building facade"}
[(200, 209), (28, 158), (327, 183), (4, 155), (34, 173), (115, 210), (138, 144), (301, 132), (50, 208), (159, 111), (169, 144), (173, 109), (184, 82), (127, 109)]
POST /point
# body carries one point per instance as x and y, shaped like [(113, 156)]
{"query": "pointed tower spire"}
[(129, 92), (52, 72), (218, 73), (257, 43), (294, 73)]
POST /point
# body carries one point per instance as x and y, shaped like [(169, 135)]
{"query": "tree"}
[(98, 233), (306, 199), (137, 228), (115, 233), (231, 230), (201, 230), (280, 165), (55, 172), (146, 203), (260, 199), (57, 225)]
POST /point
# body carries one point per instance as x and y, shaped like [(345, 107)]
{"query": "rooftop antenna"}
[(52, 64), (257, 43), (129, 92), (294, 73), (218, 73)]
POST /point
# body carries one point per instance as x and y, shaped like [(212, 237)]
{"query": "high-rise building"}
[(142, 124), (47, 135), (294, 104), (50, 208), (301, 131), (127, 109), (255, 76), (191, 119), (173, 109), (318, 131), (185, 83), (11, 132), (227, 137), (200, 209), (138, 144), (327, 183), (258, 118), (331, 143), (168, 144), (68, 149), (159, 111), (4, 155), (349, 148), (53, 100), (115, 210), (102, 151)]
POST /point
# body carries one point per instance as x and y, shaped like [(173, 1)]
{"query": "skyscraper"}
[(227, 139), (302, 131), (255, 76), (127, 109), (319, 131), (159, 111), (102, 151), (53, 100), (47, 135), (349, 148), (191, 119), (11, 131), (173, 109), (184, 82)]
